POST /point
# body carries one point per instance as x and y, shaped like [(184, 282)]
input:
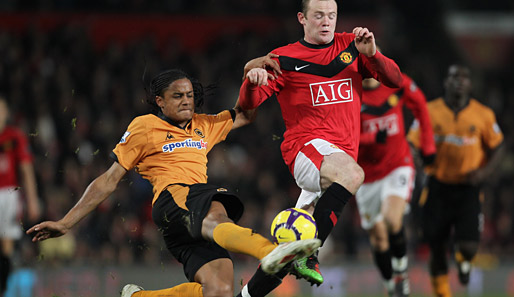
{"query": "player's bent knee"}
[(394, 223), (218, 289), (355, 178), (378, 237)]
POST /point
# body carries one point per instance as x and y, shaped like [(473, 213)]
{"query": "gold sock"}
[(458, 257), (182, 290), (241, 240), (441, 285)]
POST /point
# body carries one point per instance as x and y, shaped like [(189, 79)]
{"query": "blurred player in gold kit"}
[(469, 147)]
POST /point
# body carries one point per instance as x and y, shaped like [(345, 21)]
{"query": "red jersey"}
[(319, 92), (14, 150), (382, 109)]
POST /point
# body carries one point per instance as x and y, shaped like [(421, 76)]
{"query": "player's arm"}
[(382, 68), (28, 180), (494, 146), (494, 157), (416, 101), (255, 89), (243, 117), (265, 62), (97, 191)]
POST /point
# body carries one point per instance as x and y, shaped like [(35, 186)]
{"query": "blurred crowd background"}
[(74, 73)]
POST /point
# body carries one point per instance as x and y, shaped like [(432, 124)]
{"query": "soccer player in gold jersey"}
[(469, 147), (197, 219)]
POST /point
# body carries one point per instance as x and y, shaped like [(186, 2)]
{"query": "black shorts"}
[(450, 208), (179, 211)]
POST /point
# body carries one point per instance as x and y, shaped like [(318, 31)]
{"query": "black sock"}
[(329, 208), (398, 244), (5, 268), (261, 284), (383, 262)]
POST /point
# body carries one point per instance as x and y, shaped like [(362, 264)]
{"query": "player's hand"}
[(47, 230), (365, 41), (258, 76), (265, 62), (428, 159), (476, 177)]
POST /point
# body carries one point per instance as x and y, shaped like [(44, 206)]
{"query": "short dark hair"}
[(160, 83), (305, 6)]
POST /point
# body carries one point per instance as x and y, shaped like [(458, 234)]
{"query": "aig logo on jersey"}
[(389, 123), (331, 92)]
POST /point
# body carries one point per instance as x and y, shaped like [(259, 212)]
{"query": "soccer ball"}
[(293, 224)]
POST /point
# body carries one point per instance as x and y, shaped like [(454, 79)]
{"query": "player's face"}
[(458, 81), (319, 23), (178, 101)]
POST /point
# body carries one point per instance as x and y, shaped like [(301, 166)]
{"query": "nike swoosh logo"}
[(301, 67)]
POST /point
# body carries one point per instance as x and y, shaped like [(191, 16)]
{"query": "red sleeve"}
[(417, 103), (383, 69), (251, 96)]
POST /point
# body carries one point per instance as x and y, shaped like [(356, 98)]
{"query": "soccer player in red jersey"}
[(15, 157), (319, 91), (385, 157)]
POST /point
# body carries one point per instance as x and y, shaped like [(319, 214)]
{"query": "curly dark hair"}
[(160, 83)]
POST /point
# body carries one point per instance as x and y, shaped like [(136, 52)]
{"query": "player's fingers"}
[(272, 55), (356, 30), (275, 67), (263, 79), (31, 229), (271, 76), (37, 236), (252, 76), (368, 35)]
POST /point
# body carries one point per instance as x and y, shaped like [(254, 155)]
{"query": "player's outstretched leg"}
[(191, 289), (326, 213), (261, 283), (286, 252), (308, 269)]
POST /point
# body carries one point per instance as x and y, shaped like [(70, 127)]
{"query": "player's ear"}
[(159, 101), (301, 18)]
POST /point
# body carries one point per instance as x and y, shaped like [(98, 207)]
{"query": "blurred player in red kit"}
[(319, 92), (385, 156), (15, 162)]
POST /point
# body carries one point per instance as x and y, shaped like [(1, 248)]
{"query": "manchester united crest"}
[(393, 100), (346, 57)]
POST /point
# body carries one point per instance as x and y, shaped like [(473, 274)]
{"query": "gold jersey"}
[(461, 139), (166, 154)]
